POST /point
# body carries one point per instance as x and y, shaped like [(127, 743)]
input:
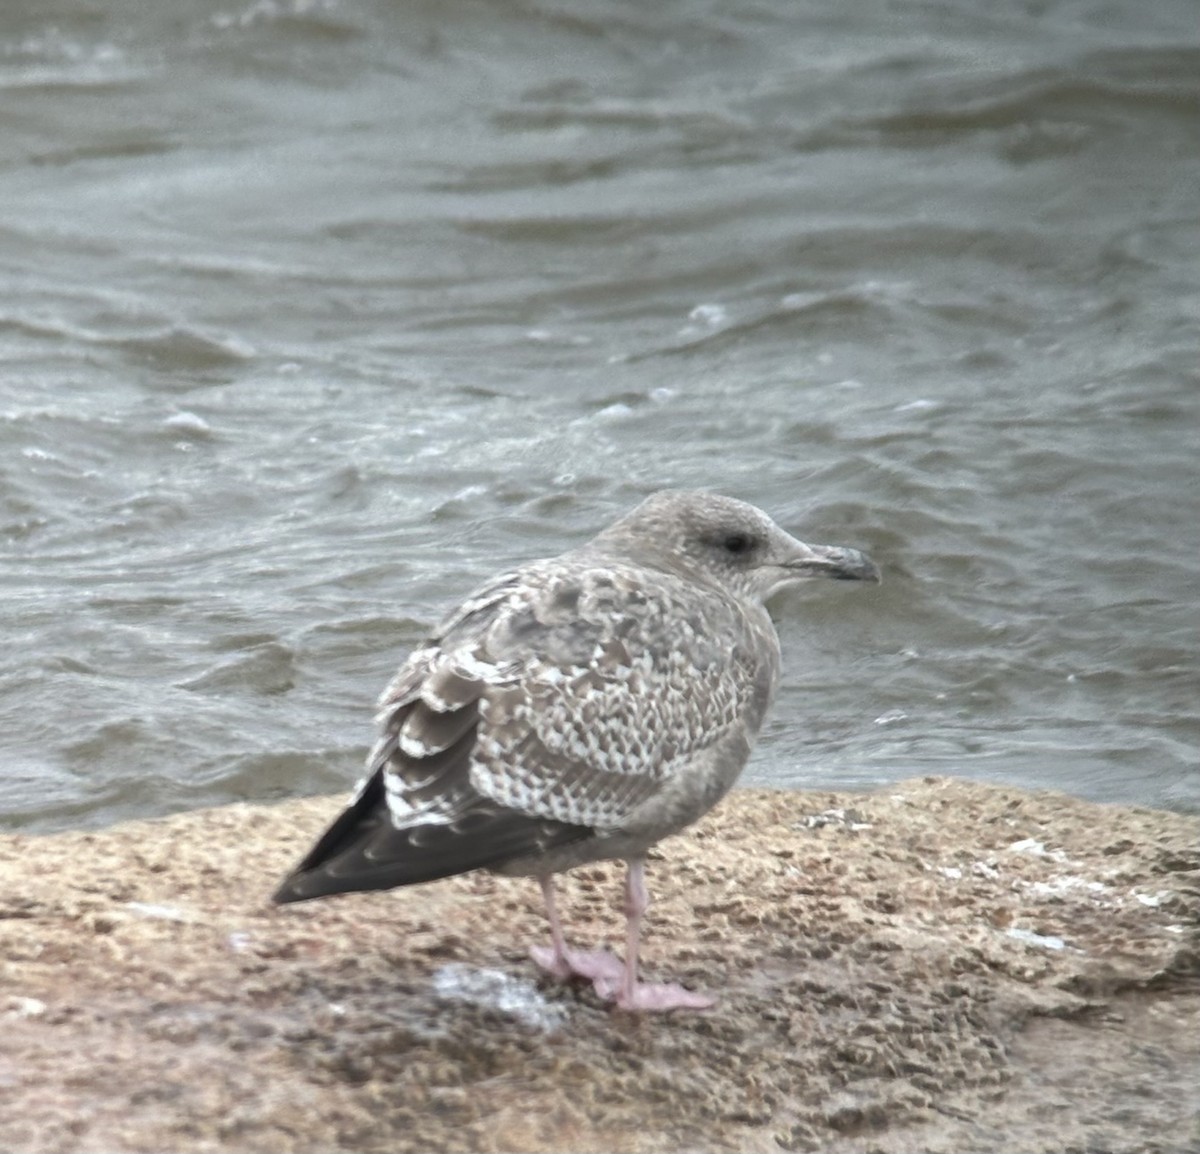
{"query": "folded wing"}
[(543, 713)]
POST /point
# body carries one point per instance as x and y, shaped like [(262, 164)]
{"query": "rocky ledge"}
[(937, 966)]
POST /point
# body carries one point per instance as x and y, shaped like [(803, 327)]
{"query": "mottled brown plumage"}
[(578, 709)]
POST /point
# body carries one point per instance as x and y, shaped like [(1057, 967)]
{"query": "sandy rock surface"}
[(938, 966)]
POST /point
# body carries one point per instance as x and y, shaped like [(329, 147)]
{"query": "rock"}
[(940, 966)]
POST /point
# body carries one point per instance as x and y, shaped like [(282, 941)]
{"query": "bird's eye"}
[(737, 543)]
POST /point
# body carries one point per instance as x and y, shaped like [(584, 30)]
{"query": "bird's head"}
[(729, 543)]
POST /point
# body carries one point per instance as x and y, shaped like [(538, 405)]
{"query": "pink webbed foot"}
[(653, 997), (614, 980), (595, 966)]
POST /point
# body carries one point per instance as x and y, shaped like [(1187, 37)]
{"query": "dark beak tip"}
[(854, 565)]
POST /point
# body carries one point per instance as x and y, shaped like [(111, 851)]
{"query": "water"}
[(313, 314)]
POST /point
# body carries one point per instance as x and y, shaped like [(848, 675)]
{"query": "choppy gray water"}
[(313, 314)]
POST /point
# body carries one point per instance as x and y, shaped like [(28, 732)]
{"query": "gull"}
[(579, 709)]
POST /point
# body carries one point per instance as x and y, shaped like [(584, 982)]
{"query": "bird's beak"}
[(837, 561)]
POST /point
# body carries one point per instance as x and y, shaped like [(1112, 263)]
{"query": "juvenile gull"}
[(578, 709)]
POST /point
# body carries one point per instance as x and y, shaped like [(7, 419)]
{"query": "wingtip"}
[(290, 891)]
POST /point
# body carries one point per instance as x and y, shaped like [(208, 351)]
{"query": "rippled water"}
[(313, 314)]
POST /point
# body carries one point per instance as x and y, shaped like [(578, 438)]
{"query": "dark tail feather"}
[(355, 822), (363, 850)]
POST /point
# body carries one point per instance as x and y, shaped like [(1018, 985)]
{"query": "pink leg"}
[(632, 994), (562, 963)]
